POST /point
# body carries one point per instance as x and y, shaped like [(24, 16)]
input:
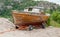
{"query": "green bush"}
[(56, 16)]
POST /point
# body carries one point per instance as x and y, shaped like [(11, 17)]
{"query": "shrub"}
[(56, 16)]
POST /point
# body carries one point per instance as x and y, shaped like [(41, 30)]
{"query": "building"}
[(35, 9)]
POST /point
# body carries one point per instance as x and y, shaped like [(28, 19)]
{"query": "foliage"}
[(56, 16), (54, 23), (5, 10)]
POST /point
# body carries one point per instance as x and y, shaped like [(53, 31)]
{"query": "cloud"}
[(54, 1)]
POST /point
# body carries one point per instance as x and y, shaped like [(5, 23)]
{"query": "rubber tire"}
[(43, 25), (30, 27), (16, 27)]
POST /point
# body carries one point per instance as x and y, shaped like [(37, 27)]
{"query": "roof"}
[(37, 7)]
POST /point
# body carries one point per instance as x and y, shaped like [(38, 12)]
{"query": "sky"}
[(54, 1)]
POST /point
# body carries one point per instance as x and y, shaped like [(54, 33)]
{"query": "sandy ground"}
[(7, 30), (48, 32)]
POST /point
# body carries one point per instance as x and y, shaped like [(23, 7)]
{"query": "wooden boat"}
[(29, 20)]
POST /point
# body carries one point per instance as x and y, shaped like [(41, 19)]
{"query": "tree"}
[(15, 5)]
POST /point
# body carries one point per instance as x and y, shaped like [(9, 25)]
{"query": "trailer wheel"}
[(16, 27), (30, 27), (43, 25)]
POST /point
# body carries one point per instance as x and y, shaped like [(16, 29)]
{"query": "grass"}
[(54, 23), (10, 18)]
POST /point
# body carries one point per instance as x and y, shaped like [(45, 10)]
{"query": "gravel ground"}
[(7, 29)]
